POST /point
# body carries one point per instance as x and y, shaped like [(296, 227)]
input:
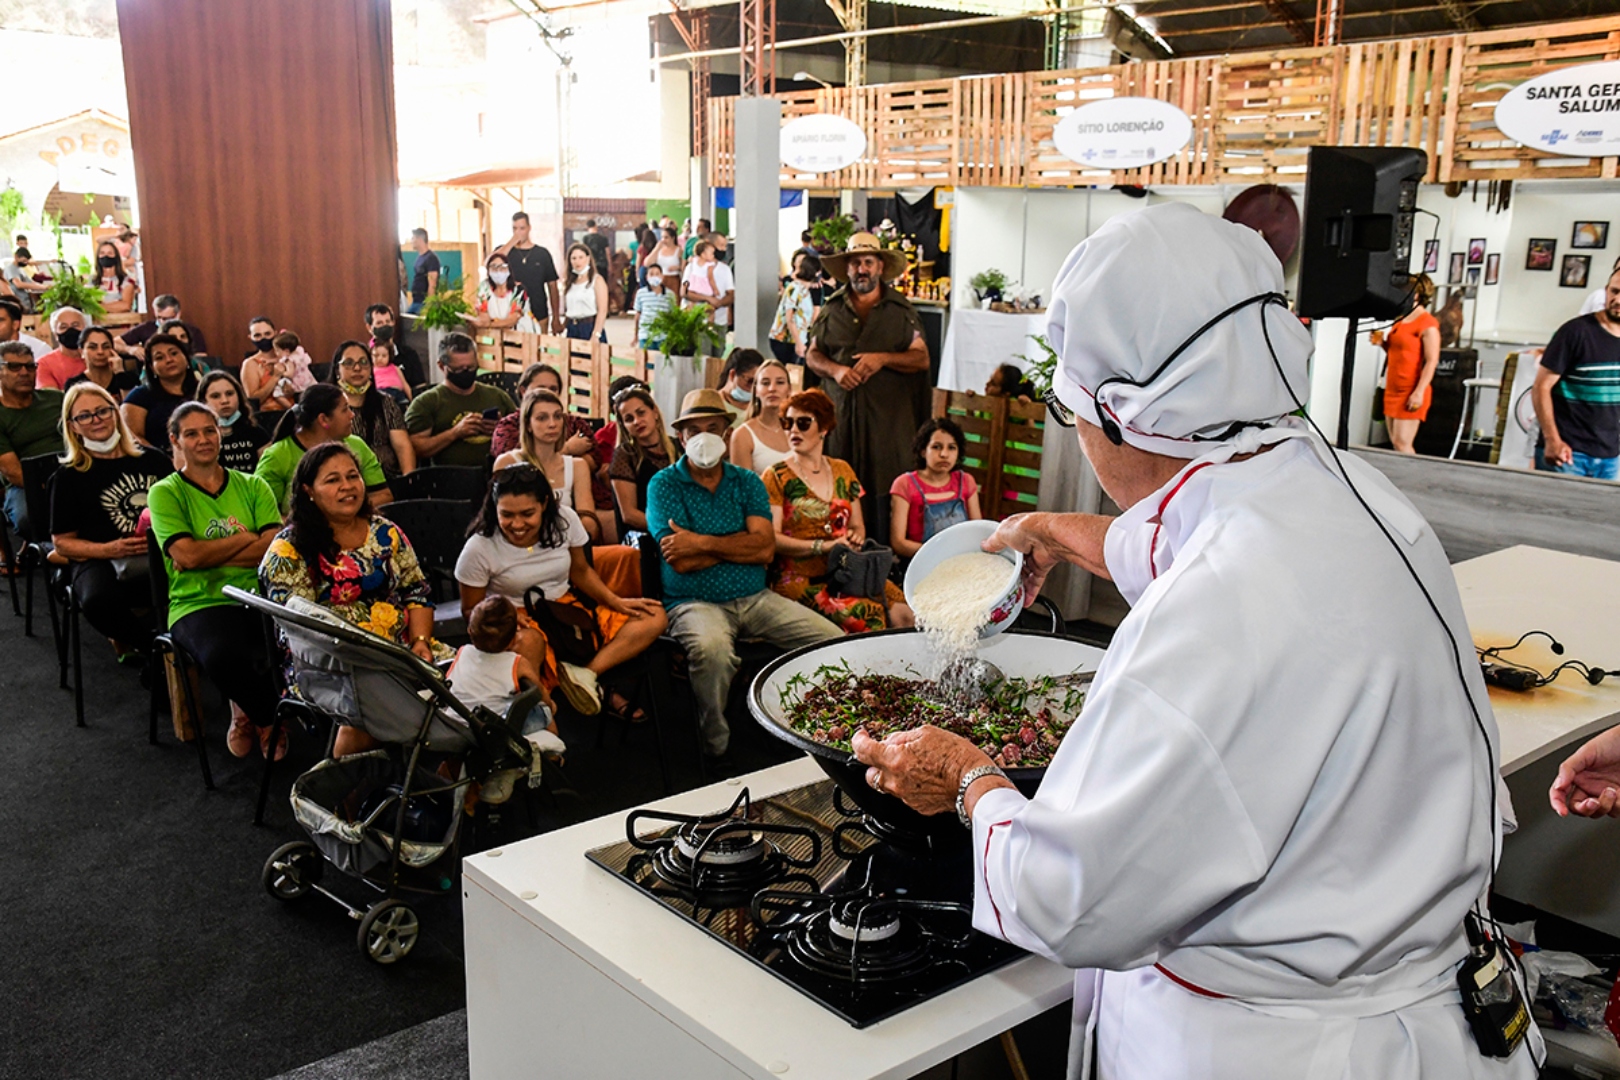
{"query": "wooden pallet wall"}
[(1004, 447), (1255, 115), (588, 367)]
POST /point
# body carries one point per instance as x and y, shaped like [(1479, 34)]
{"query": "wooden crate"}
[(588, 368), (1270, 109), (1004, 447)]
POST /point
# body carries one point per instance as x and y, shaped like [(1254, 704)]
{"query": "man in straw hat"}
[(712, 521), (867, 348), (1261, 840)]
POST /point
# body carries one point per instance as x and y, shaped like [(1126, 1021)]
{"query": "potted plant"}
[(67, 289), (1039, 371), (683, 335), (832, 234), (443, 312), (987, 284)]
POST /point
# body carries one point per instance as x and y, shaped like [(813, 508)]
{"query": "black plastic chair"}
[(505, 380), (36, 542), (38, 474), (164, 643), (437, 530), (463, 483), (9, 552)]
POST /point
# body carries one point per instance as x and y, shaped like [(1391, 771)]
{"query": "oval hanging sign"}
[(1122, 132), (1574, 112), (821, 142)]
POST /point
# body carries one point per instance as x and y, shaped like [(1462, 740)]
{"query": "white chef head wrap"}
[(1137, 288)]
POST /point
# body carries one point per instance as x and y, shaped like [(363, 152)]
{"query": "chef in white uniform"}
[(1258, 842)]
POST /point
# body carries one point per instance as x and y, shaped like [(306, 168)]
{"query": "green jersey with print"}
[(182, 509), (279, 463)]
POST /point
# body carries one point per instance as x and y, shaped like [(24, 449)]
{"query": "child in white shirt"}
[(486, 673)]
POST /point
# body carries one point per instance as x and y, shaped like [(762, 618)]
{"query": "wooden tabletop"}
[(1576, 598)]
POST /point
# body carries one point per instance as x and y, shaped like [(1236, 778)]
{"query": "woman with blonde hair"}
[(97, 500), (759, 442), (542, 433)]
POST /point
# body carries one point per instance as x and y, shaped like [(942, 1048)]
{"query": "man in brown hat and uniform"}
[(867, 348)]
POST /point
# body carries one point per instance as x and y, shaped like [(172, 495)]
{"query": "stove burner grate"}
[(720, 860)]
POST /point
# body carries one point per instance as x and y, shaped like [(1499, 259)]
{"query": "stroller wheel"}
[(388, 931), (292, 870)]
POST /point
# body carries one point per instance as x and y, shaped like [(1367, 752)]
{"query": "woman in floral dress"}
[(335, 552), (815, 507)]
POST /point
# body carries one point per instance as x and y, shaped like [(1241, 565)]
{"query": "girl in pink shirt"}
[(935, 496)]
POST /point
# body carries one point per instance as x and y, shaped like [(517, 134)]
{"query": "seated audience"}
[(489, 672), (11, 317), (29, 419), (182, 333), (102, 364), (167, 382), (939, 493), (502, 304), (261, 339), (643, 449), (815, 507), (1008, 381), (337, 552), (378, 420), (541, 437), (737, 383), (760, 442), (213, 525), (96, 501), (526, 537), (117, 287), (450, 424), (165, 308), (388, 376), (323, 415), (25, 280), (275, 381), (67, 360), (581, 441), (713, 525), (241, 438), (381, 330)]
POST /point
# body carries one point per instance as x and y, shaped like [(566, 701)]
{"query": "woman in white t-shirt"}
[(585, 297), (523, 538)]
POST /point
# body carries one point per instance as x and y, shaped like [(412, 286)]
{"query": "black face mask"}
[(385, 332), (264, 344), (463, 379), (107, 261), (70, 337)]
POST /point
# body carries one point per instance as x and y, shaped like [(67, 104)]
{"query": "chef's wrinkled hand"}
[(1588, 782), (922, 767), (1026, 533)]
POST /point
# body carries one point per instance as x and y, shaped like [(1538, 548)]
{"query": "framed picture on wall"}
[(1472, 289), (1454, 274), (1431, 256), (1493, 269), (1590, 234), (1539, 255), (1476, 252), (1576, 269)]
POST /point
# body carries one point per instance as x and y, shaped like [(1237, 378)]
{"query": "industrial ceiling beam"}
[(1289, 18), (693, 28), (758, 47), (1346, 16)]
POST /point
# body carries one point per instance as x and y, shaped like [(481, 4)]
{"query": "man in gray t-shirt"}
[(19, 274)]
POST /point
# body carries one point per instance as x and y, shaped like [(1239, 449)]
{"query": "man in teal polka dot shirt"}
[(712, 521)]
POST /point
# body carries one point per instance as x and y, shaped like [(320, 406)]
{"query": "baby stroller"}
[(382, 816)]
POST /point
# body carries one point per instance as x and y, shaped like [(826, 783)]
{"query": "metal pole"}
[(1347, 378)]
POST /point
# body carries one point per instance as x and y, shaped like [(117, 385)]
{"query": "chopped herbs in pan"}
[(1018, 722)]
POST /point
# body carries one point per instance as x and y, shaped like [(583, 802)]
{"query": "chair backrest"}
[(461, 482), (652, 567), (506, 380), (37, 474), (436, 528), (158, 574)]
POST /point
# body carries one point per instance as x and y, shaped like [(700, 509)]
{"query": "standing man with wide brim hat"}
[(867, 352)]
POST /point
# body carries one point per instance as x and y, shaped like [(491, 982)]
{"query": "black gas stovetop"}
[(799, 884)]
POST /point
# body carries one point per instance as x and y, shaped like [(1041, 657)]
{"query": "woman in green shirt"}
[(323, 414)]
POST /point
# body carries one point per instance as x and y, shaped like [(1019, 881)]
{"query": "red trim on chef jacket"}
[(986, 874), (1185, 985), (1159, 518)]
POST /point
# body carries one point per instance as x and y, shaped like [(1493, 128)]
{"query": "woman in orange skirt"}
[(524, 537), (1413, 347)]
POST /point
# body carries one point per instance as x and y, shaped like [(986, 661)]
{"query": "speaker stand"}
[(1347, 378)]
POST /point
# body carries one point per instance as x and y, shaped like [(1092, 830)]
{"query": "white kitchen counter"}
[(1573, 597), (572, 973)]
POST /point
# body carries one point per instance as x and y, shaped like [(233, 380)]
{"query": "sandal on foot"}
[(579, 687), (281, 743)]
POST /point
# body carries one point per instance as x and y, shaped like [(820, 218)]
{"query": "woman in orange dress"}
[(1413, 347)]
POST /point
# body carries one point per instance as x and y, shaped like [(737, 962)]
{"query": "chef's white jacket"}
[(1273, 812)]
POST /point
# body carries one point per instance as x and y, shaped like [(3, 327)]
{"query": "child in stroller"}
[(488, 673)]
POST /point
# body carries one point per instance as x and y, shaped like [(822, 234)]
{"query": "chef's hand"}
[(1588, 781), (922, 767), (1027, 533)]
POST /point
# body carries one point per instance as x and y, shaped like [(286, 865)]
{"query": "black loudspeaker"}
[(1356, 240)]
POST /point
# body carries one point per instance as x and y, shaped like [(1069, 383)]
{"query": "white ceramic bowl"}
[(961, 539)]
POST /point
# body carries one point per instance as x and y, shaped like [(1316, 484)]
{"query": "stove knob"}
[(777, 1067)]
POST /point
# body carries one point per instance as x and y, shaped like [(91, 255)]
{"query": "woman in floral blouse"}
[(815, 507), (335, 552)]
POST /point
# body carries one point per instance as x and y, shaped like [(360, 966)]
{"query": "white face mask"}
[(499, 276), (705, 449), (101, 446)]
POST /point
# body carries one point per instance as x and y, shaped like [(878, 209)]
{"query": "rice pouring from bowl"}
[(962, 593)]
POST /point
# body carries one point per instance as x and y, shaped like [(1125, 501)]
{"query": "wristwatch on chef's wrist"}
[(969, 778)]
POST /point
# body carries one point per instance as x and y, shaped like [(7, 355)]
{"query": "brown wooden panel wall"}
[(265, 161)]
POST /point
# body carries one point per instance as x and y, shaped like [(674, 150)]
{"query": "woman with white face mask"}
[(737, 383), (240, 438), (502, 304), (97, 497)]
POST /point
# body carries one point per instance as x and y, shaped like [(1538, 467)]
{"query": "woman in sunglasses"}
[(97, 498), (815, 507)]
